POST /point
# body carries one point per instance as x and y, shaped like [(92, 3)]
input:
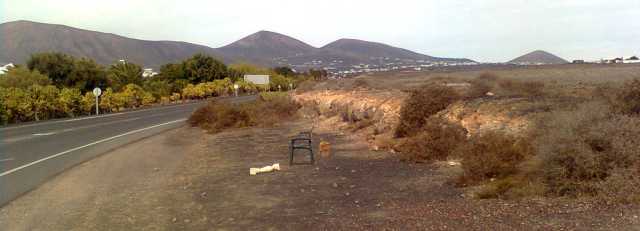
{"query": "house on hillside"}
[(578, 61), (6, 67)]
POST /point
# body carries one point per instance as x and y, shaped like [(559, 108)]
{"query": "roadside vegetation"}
[(56, 85), (269, 109), (587, 150)]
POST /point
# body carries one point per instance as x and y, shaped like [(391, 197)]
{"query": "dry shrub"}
[(627, 100), (484, 83), (361, 83), (436, 141), (267, 110), (492, 155), (306, 86), (420, 105), (217, 116)]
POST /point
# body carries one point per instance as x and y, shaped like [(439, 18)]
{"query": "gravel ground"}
[(188, 180)]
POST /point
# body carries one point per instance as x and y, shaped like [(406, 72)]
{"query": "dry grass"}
[(268, 110)]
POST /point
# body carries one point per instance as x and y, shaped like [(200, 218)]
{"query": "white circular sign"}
[(236, 86), (97, 92)]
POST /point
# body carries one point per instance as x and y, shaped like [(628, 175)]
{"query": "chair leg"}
[(313, 161), (291, 149)]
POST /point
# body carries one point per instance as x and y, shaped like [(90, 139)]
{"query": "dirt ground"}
[(188, 180)]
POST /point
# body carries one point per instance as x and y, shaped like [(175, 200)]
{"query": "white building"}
[(257, 79), (148, 72), (5, 68)]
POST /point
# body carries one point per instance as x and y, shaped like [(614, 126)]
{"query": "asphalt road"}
[(32, 153)]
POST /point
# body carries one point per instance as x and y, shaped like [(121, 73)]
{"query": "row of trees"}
[(53, 85)]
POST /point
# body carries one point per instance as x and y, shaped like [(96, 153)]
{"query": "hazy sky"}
[(483, 30)]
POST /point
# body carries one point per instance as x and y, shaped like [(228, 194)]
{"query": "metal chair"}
[(302, 141)]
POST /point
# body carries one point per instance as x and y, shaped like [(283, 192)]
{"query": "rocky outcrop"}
[(511, 115)]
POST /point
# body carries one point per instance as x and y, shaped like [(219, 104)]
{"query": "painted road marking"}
[(88, 145), (4, 160), (44, 134)]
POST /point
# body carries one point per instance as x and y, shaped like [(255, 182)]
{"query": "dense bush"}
[(420, 105), (492, 155), (489, 82), (436, 141), (267, 110), (627, 100)]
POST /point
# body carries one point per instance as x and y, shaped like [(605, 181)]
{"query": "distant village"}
[(337, 68)]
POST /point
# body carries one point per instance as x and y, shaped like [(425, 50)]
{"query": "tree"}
[(86, 75), (69, 101), (202, 68), (88, 103), (17, 103), (43, 100), (284, 71), (133, 95), (57, 66), (172, 72), (318, 74), (21, 77), (121, 74), (159, 88)]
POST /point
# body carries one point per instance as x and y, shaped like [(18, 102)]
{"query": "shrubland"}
[(55, 85), (268, 110)]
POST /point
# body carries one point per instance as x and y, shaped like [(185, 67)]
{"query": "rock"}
[(337, 168), (187, 220), (352, 186), (335, 185), (347, 194), (356, 201), (156, 169), (317, 169), (203, 194), (343, 178), (353, 171), (174, 220)]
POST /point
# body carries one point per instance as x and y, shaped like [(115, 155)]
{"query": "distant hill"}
[(539, 57), (264, 46), (20, 39)]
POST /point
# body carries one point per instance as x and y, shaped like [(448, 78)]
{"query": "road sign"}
[(97, 91)]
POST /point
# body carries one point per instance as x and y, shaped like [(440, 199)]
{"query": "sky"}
[(483, 30)]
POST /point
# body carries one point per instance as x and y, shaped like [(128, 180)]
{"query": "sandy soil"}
[(187, 180)]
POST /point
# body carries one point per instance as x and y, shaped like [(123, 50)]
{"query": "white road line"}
[(88, 145), (44, 134), (5, 160)]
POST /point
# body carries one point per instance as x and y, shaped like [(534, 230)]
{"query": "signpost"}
[(97, 92)]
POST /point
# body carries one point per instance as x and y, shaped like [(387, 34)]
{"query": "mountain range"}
[(20, 39)]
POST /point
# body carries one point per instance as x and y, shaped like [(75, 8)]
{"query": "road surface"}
[(32, 153)]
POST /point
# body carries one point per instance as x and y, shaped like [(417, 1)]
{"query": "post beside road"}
[(97, 92)]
